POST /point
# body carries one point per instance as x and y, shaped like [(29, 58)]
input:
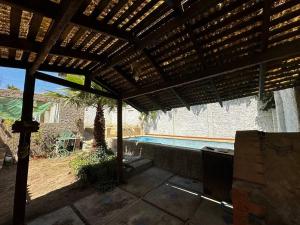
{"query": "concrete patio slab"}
[(174, 200), (188, 184), (63, 216), (211, 213), (100, 208), (143, 183), (143, 213)]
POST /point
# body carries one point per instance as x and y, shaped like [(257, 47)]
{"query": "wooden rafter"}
[(130, 80), (110, 89), (43, 67), (215, 90), (235, 32), (50, 10), (68, 10), (266, 23), (275, 53), (69, 84), (32, 46), (164, 77), (87, 82), (137, 44), (153, 37), (179, 11), (264, 45), (196, 9)]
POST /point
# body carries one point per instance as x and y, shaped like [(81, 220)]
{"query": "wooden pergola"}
[(152, 54)]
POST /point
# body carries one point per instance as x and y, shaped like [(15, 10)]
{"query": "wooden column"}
[(120, 140), (87, 82), (24, 127)]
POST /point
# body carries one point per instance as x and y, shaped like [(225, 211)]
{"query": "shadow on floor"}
[(41, 205), (152, 197)]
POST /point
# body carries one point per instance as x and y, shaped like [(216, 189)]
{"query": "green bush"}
[(96, 168)]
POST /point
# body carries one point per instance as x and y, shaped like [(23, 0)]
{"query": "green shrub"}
[(96, 168)]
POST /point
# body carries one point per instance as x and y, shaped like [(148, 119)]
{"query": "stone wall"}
[(70, 118)]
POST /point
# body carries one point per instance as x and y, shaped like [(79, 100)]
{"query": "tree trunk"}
[(99, 128)]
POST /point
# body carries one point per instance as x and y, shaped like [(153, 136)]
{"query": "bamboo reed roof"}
[(158, 54)]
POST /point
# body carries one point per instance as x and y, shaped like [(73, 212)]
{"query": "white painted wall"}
[(130, 117), (212, 120), (286, 111)]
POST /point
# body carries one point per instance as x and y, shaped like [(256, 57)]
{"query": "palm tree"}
[(84, 99)]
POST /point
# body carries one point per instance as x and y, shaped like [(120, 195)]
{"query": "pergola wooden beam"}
[(126, 76), (179, 12), (51, 9), (164, 77), (215, 90), (176, 5), (196, 9), (43, 67), (110, 89), (154, 36), (87, 82), (32, 46), (130, 80), (276, 53), (68, 10), (180, 98), (266, 23), (69, 84), (167, 30), (264, 46)]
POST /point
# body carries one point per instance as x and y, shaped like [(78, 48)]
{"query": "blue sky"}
[(12, 76)]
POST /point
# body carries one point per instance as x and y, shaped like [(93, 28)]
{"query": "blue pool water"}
[(197, 144)]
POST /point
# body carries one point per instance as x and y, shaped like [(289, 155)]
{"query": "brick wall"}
[(266, 178)]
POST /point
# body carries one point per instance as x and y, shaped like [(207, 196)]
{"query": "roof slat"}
[(68, 10)]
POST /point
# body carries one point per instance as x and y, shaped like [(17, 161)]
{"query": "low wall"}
[(179, 160)]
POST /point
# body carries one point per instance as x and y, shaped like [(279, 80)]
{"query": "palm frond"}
[(82, 98)]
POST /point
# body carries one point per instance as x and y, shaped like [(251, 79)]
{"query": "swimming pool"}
[(188, 143)]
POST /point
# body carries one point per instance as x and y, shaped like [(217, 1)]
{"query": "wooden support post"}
[(87, 82), (23, 152), (119, 141)]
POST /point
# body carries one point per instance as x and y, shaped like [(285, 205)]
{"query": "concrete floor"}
[(154, 197)]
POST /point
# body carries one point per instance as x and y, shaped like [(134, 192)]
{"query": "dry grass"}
[(46, 175), (51, 184)]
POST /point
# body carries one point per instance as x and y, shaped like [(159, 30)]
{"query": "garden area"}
[(55, 182), (64, 166)]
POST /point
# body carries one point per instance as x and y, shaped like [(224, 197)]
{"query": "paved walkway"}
[(154, 197)]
